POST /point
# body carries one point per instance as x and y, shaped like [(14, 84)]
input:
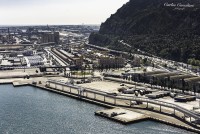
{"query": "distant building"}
[(29, 53), (78, 62), (17, 62), (34, 60), (136, 62), (111, 62), (50, 37), (3, 30)]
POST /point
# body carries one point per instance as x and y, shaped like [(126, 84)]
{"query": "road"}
[(159, 62)]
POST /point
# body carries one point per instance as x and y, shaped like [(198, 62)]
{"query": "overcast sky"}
[(42, 12)]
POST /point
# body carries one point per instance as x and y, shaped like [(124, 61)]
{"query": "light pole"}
[(199, 103), (151, 82)]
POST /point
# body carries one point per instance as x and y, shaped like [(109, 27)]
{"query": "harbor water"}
[(29, 110)]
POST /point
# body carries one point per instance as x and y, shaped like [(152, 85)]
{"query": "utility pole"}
[(199, 103)]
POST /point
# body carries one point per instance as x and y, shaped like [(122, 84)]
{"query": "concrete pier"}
[(122, 115), (19, 83)]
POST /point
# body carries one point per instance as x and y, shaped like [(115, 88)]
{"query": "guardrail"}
[(139, 99)]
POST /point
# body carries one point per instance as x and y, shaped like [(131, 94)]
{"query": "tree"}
[(144, 61), (183, 85)]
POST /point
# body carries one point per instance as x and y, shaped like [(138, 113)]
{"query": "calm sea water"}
[(29, 110)]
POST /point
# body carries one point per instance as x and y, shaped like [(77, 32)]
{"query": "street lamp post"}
[(199, 103), (151, 82)]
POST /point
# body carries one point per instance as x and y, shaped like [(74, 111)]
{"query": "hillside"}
[(167, 28)]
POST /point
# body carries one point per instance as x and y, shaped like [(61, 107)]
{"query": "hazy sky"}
[(31, 12)]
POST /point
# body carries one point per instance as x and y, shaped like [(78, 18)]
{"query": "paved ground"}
[(123, 115), (18, 73), (187, 105), (107, 86)]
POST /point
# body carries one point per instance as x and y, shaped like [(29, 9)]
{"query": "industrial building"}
[(48, 37), (111, 62), (34, 60)]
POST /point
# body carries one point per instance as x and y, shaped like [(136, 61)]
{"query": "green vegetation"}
[(149, 26), (194, 62), (145, 61)]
